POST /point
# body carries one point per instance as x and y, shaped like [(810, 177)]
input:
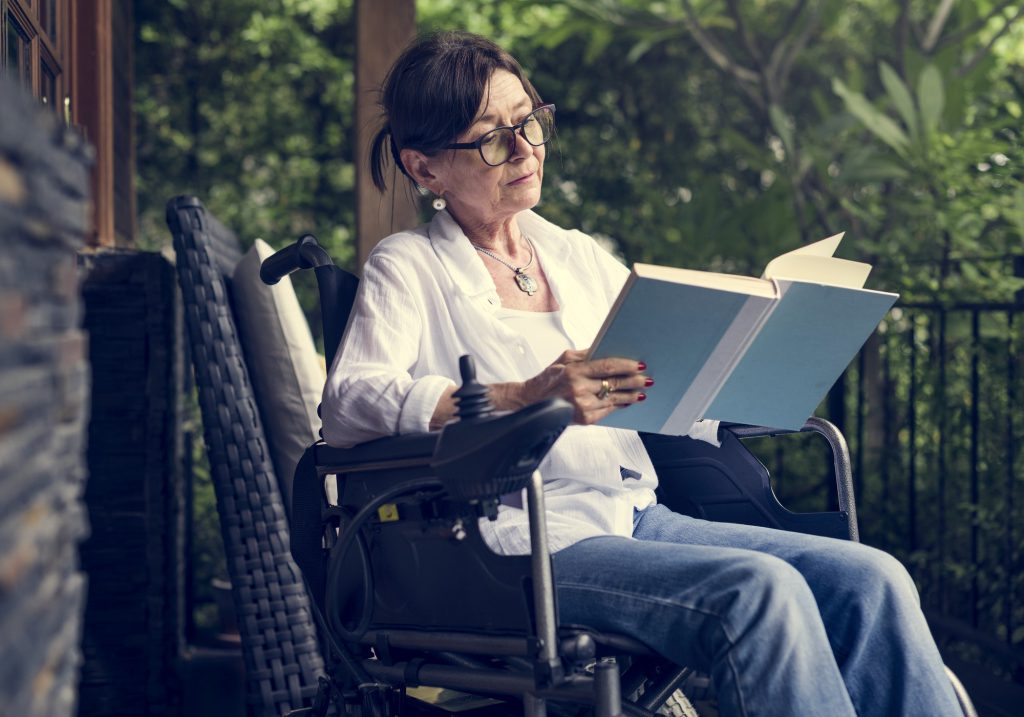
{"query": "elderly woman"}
[(786, 624)]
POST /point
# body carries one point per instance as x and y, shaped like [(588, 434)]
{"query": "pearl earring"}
[(439, 203)]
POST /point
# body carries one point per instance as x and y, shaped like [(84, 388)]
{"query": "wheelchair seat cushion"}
[(286, 372)]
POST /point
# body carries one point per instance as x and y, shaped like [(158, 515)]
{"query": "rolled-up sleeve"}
[(370, 390)]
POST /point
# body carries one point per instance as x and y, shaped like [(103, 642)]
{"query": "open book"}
[(734, 348)]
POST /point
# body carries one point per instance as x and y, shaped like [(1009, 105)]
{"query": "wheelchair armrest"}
[(516, 441), (729, 483), (413, 449), (841, 464)]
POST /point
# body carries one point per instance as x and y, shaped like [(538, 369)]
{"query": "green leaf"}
[(879, 124), (757, 156), (555, 36), (782, 125), (900, 96), (930, 97), (1016, 212), (640, 49), (600, 38), (870, 167)]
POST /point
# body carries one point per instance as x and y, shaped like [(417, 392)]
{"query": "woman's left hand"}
[(594, 388)]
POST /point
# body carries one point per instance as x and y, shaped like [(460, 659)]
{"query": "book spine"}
[(723, 359), (619, 300)]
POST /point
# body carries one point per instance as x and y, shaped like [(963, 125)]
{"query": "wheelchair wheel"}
[(680, 704), (966, 706), (700, 692), (677, 705)]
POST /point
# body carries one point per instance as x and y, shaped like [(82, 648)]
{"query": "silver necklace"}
[(524, 281)]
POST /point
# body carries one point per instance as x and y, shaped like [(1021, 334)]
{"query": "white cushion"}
[(287, 373)]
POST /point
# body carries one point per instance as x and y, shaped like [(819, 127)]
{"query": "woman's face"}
[(476, 193)]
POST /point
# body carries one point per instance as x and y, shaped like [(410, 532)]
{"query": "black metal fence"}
[(933, 409)]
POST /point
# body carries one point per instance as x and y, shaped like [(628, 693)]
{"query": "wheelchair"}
[(405, 594)]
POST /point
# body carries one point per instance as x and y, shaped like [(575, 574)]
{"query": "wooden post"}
[(101, 106), (92, 100), (383, 29)]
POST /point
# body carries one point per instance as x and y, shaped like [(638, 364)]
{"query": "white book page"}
[(821, 270), (816, 263), (707, 279)]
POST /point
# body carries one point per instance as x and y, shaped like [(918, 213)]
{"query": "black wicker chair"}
[(279, 641)]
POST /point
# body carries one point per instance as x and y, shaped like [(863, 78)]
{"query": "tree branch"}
[(798, 44), (794, 15), (715, 52), (980, 54), (902, 34), (820, 210), (790, 26), (935, 26), (748, 41), (965, 32)]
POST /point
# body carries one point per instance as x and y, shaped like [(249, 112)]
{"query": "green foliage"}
[(949, 402), (714, 134), (248, 105), (208, 560), (701, 133)]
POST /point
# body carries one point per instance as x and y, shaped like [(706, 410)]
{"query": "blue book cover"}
[(685, 333), (758, 351), (812, 334)]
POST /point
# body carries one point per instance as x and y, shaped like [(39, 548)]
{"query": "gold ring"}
[(606, 388)]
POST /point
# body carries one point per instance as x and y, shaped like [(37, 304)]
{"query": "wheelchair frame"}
[(538, 661), (721, 481)]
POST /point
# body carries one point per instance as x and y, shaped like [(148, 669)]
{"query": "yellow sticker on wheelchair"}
[(388, 513)]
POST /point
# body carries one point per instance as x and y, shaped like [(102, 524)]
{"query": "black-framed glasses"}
[(497, 146)]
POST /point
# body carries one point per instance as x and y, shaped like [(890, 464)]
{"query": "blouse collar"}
[(459, 259)]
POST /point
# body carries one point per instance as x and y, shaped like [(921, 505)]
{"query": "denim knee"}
[(873, 576), (769, 595)]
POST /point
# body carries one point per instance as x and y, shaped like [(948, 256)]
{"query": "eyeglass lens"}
[(498, 145)]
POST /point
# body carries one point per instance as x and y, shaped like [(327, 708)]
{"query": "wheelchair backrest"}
[(337, 295)]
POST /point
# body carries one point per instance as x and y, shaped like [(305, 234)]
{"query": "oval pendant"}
[(526, 283)]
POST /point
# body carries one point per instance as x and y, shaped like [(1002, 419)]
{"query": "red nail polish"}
[(641, 397), (648, 382), (641, 366)]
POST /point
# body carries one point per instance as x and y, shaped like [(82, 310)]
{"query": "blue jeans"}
[(785, 623)]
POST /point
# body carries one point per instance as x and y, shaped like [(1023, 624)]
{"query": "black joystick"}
[(482, 456), (471, 399)]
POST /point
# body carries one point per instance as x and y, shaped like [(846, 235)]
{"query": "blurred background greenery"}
[(707, 134), (703, 133)]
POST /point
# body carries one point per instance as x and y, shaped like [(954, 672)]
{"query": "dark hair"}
[(432, 93)]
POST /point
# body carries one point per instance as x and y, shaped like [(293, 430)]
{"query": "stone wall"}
[(44, 400)]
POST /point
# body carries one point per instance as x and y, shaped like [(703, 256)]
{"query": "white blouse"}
[(542, 329), (424, 300)]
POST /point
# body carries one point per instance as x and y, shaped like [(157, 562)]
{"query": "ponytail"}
[(378, 162), (432, 94)]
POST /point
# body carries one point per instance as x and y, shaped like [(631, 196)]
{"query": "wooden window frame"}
[(43, 49), (81, 56)]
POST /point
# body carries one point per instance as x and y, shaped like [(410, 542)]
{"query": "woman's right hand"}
[(582, 384)]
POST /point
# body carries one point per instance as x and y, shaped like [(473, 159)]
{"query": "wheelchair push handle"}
[(305, 253)]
